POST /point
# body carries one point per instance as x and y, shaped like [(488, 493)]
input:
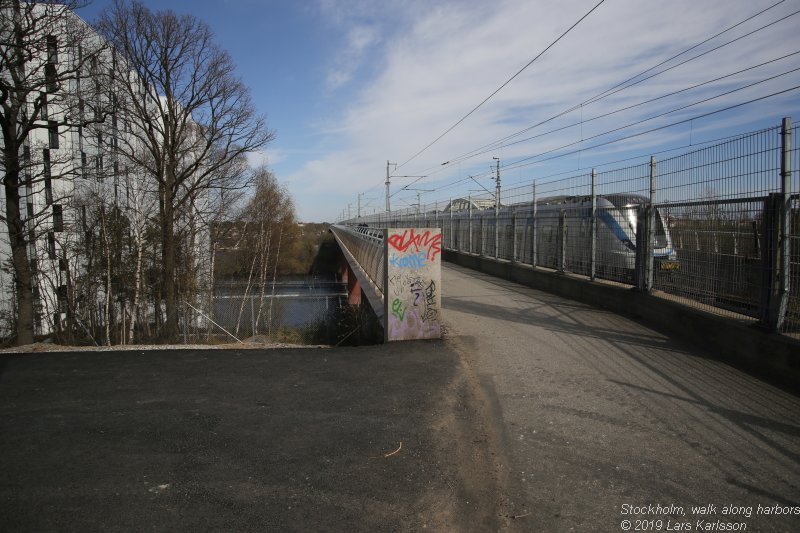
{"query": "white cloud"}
[(266, 157), (438, 60), (359, 41)]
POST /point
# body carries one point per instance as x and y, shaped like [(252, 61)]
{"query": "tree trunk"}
[(263, 276), (107, 252), (169, 257), (23, 275), (246, 291), (274, 276), (137, 282), (211, 283)]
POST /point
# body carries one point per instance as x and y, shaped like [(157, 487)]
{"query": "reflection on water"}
[(303, 309)]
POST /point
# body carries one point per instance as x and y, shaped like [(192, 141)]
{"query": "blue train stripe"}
[(614, 226)]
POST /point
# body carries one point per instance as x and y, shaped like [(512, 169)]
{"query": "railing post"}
[(533, 224), (482, 239), (469, 248), (386, 303), (497, 227), (452, 234), (776, 252), (770, 220), (651, 214), (640, 268), (593, 229), (513, 236), (786, 216), (562, 240)]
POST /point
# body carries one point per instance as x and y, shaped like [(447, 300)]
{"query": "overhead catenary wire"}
[(622, 85), (626, 84), (681, 108), (509, 80), (527, 161), (647, 119), (651, 100), (514, 164)]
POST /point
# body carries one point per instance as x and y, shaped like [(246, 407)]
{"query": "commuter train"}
[(563, 232), (616, 232)]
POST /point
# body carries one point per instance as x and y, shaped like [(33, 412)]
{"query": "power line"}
[(603, 94), (728, 108), (642, 121), (462, 119), (618, 87), (651, 100), (526, 161), (660, 114)]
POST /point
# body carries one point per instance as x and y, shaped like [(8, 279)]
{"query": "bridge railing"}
[(365, 248), (399, 271)]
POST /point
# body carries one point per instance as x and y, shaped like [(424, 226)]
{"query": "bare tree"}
[(44, 53), (269, 220), (193, 115)]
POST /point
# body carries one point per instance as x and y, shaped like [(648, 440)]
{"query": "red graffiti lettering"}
[(424, 241)]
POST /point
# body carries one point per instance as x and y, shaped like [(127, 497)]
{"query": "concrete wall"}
[(771, 355), (413, 283)]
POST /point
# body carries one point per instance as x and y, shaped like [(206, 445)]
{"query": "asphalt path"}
[(602, 420), (534, 413), (381, 438)]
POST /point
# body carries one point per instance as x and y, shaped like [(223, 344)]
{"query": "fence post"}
[(593, 229), (786, 216), (387, 306), (497, 228), (562, 240), (533, 228), (482, 239), (513, 236), (777, 238), (651, 225), (469, 206), (770, 259), (642, 249), (452, 234)]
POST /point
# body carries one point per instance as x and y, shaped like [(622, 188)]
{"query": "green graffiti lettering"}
[(398, 309)]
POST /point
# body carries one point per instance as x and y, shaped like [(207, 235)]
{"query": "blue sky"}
[(350, 84)]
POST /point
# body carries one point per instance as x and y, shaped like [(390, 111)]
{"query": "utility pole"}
[(497, 189), (388, 206), (419, 200), (359, 203)]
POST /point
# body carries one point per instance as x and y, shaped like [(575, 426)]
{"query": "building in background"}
[(88, 211)]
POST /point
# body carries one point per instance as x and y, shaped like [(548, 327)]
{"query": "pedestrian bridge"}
[(740, 332)]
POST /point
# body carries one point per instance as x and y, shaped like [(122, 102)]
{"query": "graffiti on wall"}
[(414, 280)]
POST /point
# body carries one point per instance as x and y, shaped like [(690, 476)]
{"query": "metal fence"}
[(716, 228)]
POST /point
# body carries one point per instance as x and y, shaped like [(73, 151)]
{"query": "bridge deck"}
[(596, 411)]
